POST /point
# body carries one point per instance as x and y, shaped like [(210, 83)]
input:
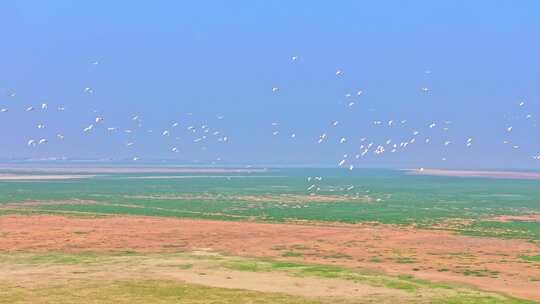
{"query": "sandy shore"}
[(477, 173), (199, 176), (104, 170), (23, 177)]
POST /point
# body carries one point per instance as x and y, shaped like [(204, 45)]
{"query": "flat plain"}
[(259, 236)]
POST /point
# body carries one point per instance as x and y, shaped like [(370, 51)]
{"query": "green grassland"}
[(397, 198)]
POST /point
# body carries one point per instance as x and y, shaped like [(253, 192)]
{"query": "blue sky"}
[(164, 59)]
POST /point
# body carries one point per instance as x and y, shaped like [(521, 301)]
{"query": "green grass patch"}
[(511, 230), (531, 258), (292, 254), (59, 258), (405, 260), (480, 299), (324, 271), (338, 256), (299, 247), (65, 259)]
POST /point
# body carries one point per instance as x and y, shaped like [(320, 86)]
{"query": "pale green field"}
[(210, 278), (395, 198)]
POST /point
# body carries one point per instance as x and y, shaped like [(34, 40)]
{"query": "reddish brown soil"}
[(518, 218), (491, 264)]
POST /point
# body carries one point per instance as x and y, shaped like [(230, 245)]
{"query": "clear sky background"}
[(164, 59)]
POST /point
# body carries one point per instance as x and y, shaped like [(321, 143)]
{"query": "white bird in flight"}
[(88, 129)]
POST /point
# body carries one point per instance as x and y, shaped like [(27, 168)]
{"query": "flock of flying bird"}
[(199, 133), (412, 136), (203, 133)]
